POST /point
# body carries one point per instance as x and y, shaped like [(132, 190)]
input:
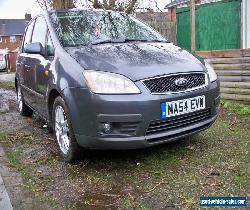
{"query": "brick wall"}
[(5, 42), (172, 14)]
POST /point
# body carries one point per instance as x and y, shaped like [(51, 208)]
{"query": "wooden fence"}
[(12, 61), (233, 70), (166, 29)]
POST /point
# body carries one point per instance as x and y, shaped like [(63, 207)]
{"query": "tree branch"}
[(131, 6)]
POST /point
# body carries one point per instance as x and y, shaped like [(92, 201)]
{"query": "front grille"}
[(166, 84), (162, 126), (125, 128)]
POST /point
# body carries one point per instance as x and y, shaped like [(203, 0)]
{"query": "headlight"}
[(109, 83), (211, 72)]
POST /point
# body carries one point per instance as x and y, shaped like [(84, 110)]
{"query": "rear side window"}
[(28, 34), (40, 30)]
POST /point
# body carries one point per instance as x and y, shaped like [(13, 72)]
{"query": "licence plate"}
[(175, 108)]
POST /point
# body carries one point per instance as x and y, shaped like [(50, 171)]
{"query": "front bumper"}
[(131, 116)]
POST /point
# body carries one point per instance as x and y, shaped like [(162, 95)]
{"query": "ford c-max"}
[(105, 80)]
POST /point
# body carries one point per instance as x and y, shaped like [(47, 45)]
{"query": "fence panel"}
[(218, 26), (166, 29), (233, 69), (12, 61)]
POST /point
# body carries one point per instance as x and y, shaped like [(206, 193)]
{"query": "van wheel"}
[(23, 109), (63, 131)]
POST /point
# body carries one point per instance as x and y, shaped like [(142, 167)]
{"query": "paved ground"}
[(4, 197), (7, 76)]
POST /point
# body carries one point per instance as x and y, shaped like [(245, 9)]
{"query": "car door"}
[(44, 75), (25, 75), (39, 64)]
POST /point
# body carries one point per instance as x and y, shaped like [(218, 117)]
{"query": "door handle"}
[(27, 67)]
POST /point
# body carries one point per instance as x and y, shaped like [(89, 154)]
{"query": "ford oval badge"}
[(181, 82)]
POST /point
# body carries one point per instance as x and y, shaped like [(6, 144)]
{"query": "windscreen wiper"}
[(162, 41), (128, 40), (144, 40), (119, 41), (103, 42)]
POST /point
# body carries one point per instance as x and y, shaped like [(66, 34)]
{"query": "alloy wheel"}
[(62, 129), (19, 99)]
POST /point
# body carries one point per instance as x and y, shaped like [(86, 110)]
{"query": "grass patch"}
[(238, 107), (7, 85), (130, 202), (17, 138), (15, 146), (3, 137), (173, 175), (32, 181)]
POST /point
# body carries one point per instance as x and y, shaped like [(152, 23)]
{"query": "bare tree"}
[(56, 4), (63, 4), (45, 4), (127, 6)]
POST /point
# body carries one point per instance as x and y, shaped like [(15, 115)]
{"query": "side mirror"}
[(34, 48)]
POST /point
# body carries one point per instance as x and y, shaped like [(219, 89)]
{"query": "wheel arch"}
[(53, 94)]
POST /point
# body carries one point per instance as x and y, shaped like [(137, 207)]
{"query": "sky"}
[(15, 9)]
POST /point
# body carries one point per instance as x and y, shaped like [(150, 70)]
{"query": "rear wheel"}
[(23, 109), (63, 132)]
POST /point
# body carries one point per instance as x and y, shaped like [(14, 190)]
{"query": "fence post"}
[(192, 24)]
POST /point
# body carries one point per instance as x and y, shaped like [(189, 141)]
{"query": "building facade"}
[(11, 32), (11, 43)]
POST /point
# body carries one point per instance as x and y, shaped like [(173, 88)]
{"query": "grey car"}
[(105, 80)]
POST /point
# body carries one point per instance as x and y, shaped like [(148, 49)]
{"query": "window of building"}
[(13, 39), (1, 39)]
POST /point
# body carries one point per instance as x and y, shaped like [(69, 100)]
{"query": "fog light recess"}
[(106, 128)]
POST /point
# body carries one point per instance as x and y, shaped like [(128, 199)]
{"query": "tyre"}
[(63, 131), (23, 109)]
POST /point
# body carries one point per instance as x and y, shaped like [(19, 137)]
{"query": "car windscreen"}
[(75, 28)]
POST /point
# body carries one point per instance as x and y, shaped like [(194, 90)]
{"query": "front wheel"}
[(63, 132)]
